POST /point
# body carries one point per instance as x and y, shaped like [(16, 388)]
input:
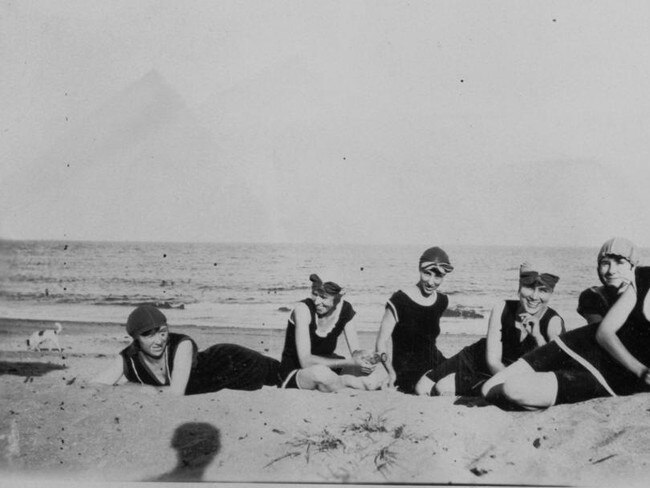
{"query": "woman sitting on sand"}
[(159, 358), (604, 359), (411, 322), (515, 327), (308, 358)]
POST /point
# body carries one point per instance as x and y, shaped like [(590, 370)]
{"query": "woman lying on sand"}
[(308, 358), (604, 359), (616, 261), (411, 322), (159, 358), (515, 328)]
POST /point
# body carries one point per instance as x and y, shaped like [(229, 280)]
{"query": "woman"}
[(616, 261), (515, 327), (315, 324), (411, 324), (161, 358), (605, 359)]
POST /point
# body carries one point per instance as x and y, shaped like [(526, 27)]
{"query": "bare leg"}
[(320, 378), (370, 382), (515, 369), (323, 379), (424, 386), (356, 382), (531, 391), (521, 385), (447, 386)]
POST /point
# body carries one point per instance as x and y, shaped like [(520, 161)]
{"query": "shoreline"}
[(266, 340), (60, 427), (249, 316)]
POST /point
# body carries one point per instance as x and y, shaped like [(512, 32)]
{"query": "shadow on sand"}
[(469, 401), (22, 368), (197, 444)]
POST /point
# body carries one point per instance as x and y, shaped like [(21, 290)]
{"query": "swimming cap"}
[(528, 276), (435, 257), (619, 246), (328, 287), (143, 319)]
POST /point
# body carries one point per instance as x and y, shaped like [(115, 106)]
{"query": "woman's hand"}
[(645, 376), (536, 331), (531, 327), (363, 359), (623, 286)]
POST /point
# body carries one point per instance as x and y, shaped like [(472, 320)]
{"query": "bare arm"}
[(608, 340), (384, 343), (494, 348), (555, 328), (182, 368), (113, 375), (359, 356), (351, 337), (302, 318)]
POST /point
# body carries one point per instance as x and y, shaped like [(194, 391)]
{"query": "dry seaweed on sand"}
[(385, 459), (320, 442), (359, 440), (289, 454), (371, 424)]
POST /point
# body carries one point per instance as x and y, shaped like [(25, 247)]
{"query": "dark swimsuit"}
[(414, 338), (584, 370), (596, 300), (320, 346), (217, 367), (470, 364)]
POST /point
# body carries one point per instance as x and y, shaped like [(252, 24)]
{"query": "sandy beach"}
[(58, 426)]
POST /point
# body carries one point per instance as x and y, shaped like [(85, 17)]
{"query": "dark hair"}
[(328, 287)]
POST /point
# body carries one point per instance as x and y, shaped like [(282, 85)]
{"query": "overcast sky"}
[(514, 123)]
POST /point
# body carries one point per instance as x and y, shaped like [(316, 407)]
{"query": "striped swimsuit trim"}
[(288, 378), (587, 365), (393, 310), (135, 370)]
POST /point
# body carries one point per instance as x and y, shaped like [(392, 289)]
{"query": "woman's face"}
[(534, 297), (430, 280), (324, 302), (154, 341), (614, 271)]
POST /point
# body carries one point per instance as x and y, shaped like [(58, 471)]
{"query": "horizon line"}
[(286, 243)]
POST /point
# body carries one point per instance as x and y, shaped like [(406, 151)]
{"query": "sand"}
[(57, 426)]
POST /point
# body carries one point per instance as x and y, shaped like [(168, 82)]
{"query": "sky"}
[(415, 122)]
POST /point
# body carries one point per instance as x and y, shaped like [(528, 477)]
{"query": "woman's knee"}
[(321, 374), (424, 386), (515, 370), (537, 390), (446, 386), (516, 389), (490, 384)]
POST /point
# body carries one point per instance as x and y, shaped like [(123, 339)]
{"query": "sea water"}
[(256, 285)]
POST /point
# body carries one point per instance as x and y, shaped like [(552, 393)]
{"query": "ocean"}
[(256, 285)]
